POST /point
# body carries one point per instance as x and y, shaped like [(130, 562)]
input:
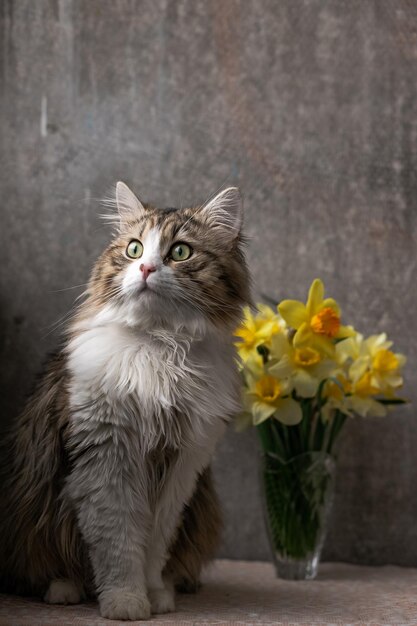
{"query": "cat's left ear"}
[(128, 205), (225, 212)]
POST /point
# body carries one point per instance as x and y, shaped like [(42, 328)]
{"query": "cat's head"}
[(180, 268)]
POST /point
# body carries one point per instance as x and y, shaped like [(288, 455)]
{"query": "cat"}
[(107, 471)]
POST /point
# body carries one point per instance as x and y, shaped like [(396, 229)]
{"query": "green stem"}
[(265, 436), (337, 424)]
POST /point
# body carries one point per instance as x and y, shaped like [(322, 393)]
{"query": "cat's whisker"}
[(213, 195), (58, 324), (68, 288), (213, 298)]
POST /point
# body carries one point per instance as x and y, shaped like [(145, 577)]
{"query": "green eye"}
[(180, 252), (135, 249)]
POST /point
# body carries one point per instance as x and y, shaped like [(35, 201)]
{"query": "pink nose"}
[(146, 270)]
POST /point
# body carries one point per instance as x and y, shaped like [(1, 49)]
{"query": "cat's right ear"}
[(128, 205)]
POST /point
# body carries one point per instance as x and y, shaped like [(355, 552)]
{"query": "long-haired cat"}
[(108, 487)]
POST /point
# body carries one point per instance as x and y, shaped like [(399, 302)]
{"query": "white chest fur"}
[(170, 388)]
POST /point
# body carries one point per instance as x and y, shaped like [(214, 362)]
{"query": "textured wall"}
[(309, 106)]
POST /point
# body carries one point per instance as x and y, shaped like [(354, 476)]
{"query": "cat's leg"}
[(177, 491), (162, 598), (64, 591), (108, 489), (198, 535)]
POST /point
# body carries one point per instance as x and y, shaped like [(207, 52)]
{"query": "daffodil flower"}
[(267, 396), (362, 400), (317, 323), (371, 370), (305, 366), (361, 375), (372, 362), (357, 397), (335, 392), (257, 329), (352, 398)]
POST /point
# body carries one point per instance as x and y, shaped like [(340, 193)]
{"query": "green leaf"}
[(276, 456), (392, 401)]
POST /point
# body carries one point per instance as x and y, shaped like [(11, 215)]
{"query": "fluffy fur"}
[(108, 484)]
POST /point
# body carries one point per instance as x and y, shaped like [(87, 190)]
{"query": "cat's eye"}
[(180, 252), (135, 249)]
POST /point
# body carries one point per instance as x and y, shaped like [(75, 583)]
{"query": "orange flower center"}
[(306, 356), (268, 388), (325, 322)]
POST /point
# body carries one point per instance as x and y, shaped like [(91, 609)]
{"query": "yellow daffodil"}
[(267, 396), (372, 372), (361, 375), (257, 329), (352, 398), (362, 401), (305, 366), (317, 323), (371, 364), (335, 392)]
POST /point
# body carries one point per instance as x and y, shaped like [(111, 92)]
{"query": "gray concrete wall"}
[(310, 106)]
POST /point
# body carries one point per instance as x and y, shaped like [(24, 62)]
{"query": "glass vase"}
[(297, 496)]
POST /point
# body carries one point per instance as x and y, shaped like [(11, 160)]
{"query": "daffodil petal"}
[(279, 346), (377, 409), (358, 368), (315, 297), (254, 365), (378, 341), (248, 399), (282, 368), (266, 311), (346, 349), (286, 386), (305, 384), (302, 336), (323, 345), (367, 406), (345, 331), (293, 312), (393, 380), (331, 304), (261, 411), (402, 359), (324, 369), (288, 412)]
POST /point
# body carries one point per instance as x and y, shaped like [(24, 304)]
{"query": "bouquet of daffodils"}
[(300, 364), (304, 374)]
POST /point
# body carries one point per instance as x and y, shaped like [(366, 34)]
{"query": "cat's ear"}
[(225, 213), (128, 205)]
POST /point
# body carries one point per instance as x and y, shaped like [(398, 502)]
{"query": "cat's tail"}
[(39, 539), (198, 535)]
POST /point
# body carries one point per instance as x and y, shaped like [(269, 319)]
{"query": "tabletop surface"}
[(238, 592)]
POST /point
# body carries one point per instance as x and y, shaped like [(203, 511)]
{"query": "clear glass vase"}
[(297, 496)]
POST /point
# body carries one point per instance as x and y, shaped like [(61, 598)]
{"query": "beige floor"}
[(237, 592)]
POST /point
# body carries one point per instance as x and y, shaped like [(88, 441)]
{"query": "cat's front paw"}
[(162, 600), (63, 591), (124, 605)]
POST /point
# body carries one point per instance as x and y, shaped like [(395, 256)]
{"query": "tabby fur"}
[(112, 451)]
